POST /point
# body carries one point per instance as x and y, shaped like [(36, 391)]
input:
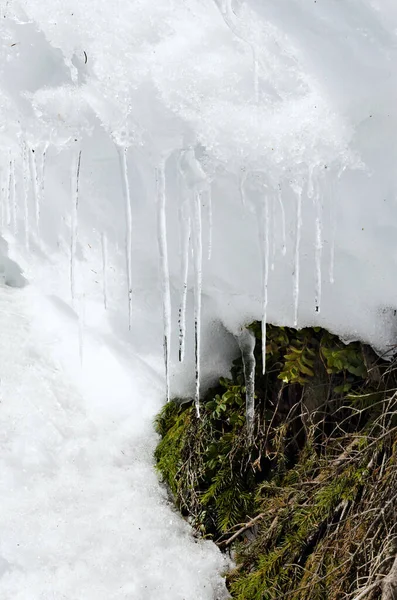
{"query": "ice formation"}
[(277, 114)]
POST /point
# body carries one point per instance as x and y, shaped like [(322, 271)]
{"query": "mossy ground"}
[(307, 505)]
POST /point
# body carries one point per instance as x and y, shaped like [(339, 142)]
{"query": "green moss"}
[(320, 465)]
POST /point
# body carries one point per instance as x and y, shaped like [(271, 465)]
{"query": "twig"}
[(241, 530)]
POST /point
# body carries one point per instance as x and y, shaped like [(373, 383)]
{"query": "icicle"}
[(13, 195), (273, 232), (35, 184), (80, 324), (246, 341), (318, 248), (333, 207), (8, 193), (104, 244), (263, 220), (43, 170), (196, 181), (128, 216), (185, 247), (284, 247), (25, 175), (73, 227), (243, 177), (209, 206), (165, 276), (198, 259), (298, 191)]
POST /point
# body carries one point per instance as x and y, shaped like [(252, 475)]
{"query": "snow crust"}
[(170, 171)]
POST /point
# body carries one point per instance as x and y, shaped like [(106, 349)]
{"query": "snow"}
[(244, 102), (81, 514)]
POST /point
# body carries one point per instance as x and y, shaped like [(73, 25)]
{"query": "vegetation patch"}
[(307, 504)]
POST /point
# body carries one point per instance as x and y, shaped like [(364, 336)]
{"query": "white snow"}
[(243, 100)]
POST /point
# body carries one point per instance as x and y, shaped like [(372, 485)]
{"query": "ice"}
[(197, 260), (25, 185), (104, 247), (246, 341), (297, 257), (318, 245), (13, 196), (264, 229), (185, 229), (128, 225), (8, 193), (165, 276), (196, 182), (209, 224), (35, 185), (74, 220)]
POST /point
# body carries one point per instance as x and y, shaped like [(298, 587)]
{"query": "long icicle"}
[(198, 259), (25, 178), (264, 216), (273, 232), (80, 325), (333, 211), (43, 171), (209, 207), (185, 227), (104, 245), (298, 191), (128, 216), (35, 185), (8, 192), (165, 276), (13, 195), (318, 247), (74, 221), (246, 342), (243, 177), (284, 246)]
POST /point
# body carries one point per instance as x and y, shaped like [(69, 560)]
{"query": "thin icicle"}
[(25, 178), (246, 342), (185, 227), (165, 276), (35, 184), (243, 177), (128, 217), (43, 170), (264, 244), (284, 246), (80, 324), (13, 195), (318, 248), (209, 206), (198, 259), (273, 232), (104, 244), (8, 193), (74, 221), (298, 191), (333, 211)]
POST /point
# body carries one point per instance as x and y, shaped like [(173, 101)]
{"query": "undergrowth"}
[(307, 505)]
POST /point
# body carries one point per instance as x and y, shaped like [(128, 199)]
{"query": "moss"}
[(296, 502)]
